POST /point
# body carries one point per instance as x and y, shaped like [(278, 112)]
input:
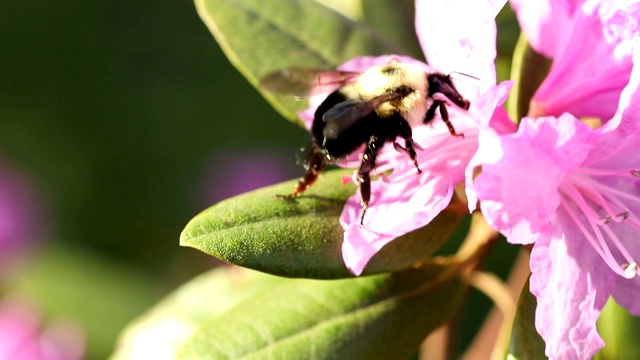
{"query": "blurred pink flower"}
[(575, 193), (21, 214), (405, 200), (22, 336), (590, 44), (248, 170)]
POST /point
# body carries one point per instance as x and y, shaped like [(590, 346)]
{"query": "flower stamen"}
[(593, 190), (604, 252), (622, 216), (604, 220), (603, 188), (596, 236), (607, 172), (617, 218), (630, 270)]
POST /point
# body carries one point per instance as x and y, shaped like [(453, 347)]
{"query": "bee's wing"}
[(305, 81), (345, 114)]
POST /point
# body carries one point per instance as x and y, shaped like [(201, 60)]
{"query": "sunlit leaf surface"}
[(301, 237)]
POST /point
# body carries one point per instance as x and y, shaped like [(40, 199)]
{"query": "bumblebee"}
[(369, 108)]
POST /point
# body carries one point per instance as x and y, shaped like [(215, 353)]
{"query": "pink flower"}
[(21, 215), (23, 338), (589, 42), (249, 169), (405, 200), (575, 193)]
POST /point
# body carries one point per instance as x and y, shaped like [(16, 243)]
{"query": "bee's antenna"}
[(467, 75)]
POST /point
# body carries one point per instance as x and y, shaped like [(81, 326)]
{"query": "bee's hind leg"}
[(364, 173), (316, 163)]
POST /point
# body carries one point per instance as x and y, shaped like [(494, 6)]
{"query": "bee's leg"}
[(410, 147), (445, 117), (364, 173), (316, 163), (431, 112)]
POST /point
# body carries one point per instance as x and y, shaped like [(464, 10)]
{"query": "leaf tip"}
[(186, 236)]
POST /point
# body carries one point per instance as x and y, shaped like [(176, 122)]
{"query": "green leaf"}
[(396, 20), (302, 237), (259, 37), (526, 343), (528, 70), (377, 317), (508, 34), (163, 329), (349, 8), (620, 332)]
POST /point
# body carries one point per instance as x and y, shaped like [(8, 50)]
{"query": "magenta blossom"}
[(250, 169), (21, 214), (589, 42), (575, 193), (405, 200), (22, 336)]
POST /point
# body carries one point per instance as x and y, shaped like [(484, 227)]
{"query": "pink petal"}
[(465, 42), (627, 291), (522, 172), (406, 200), (547, 23), (584, 79), (617, 147), (571, 290), (590, 45), (498, 123), (396, 209), (19, 331), (628, 111), (487, 107)]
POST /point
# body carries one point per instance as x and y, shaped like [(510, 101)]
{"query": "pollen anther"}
[(623, 215), (604, 220), (630, 270), (617, 218)]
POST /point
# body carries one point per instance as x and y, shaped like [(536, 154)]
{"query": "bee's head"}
[(440, 83)]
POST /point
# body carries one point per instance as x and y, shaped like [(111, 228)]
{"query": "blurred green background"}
[(129, 120), (117, 108)]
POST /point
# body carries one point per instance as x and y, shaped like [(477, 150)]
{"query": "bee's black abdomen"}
[(342, 140), (332, 100), (348, 139), (351, 138)]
